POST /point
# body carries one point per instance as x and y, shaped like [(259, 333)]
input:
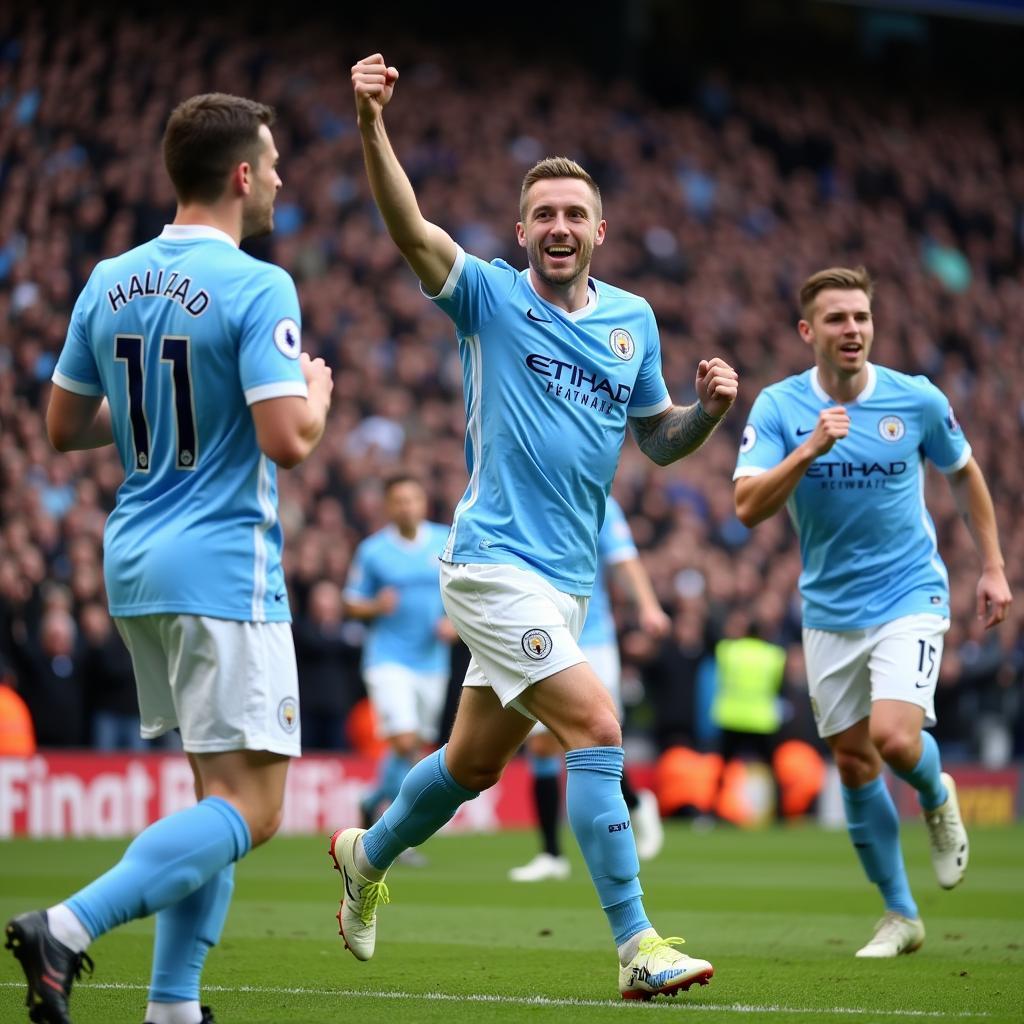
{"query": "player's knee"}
[(856, 767), (263, 824), (898, 747), (604, 730)]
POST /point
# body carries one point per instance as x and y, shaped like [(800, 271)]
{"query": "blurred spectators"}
[(717, 210)]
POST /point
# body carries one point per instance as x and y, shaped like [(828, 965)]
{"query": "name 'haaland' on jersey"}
[(574, 384), (151, 285)]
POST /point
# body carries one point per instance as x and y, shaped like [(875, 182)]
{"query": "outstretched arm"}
[(675, 433), (429, 250), (975, 504)]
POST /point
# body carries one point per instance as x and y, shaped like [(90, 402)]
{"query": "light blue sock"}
[(600, 822), (185, 932), (392, 773), (428, 799), (924, 777), (164, 864), (545, 767), (874, 828)]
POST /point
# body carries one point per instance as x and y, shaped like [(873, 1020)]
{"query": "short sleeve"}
[(615, 541), (362, 581), (650, 393), (474, 291), (763, 445), (942, 440), (271, 339), (76, 368)]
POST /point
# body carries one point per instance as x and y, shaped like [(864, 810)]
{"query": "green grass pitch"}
[(778, 912)]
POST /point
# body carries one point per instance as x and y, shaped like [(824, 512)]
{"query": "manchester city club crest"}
[(621, 342), (288, 714), (891, 428), (537, 644)]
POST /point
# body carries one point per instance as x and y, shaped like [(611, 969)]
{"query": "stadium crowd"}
[(718, 207)]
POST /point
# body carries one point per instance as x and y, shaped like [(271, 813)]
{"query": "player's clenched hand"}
[(373, 83), (717, 384), (316, 372), (994, 597), (833, 425)]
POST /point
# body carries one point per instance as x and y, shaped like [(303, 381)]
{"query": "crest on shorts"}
[(288, 714), (537, 644), (891, 428), (621, 342)]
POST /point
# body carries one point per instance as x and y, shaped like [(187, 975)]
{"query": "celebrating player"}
[(554, 363), (618, 558), (185, 353), (843, 447)]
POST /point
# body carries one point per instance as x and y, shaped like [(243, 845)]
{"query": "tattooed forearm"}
[(673, 434)]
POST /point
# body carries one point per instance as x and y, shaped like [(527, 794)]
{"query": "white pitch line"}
[(674, 1005)]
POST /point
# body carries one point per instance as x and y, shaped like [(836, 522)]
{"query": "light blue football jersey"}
[(408, 636), (182, 334), (614, 544), (547, 395), (867, 541)]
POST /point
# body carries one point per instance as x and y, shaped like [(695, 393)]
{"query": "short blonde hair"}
[(843, 278), (556, 167)]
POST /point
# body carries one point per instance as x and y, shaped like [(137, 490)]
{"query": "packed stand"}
[(717, 210)]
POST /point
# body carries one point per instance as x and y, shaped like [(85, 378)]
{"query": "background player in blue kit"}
[(393, 584), (554, 364), (619, 559), (843, 447), (185, 353)]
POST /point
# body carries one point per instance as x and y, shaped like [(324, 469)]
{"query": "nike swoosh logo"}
[(536, 319), (348, 885), (921, 686), (800, 433)]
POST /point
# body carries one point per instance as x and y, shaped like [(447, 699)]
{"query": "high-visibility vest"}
[(17, 734), (750, 675)]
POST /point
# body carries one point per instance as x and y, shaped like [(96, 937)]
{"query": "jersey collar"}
[(584, 311), (417, 541), (869, 387), (191, 232)]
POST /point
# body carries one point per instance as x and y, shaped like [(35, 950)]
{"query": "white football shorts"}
[(406, 701), (226, 685), (517, 626), (847, 671)]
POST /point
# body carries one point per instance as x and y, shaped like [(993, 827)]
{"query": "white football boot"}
[(357, 915), (544, 867), (659, 970), (894, 935), (648, 830), (947, 837)]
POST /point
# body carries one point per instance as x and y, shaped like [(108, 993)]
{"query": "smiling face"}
[(560, 229), (840, 331)]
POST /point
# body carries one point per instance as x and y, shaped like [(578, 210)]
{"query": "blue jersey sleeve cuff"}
[(639, 411), (965, 457), (77, 387), (452, 280), (279, 389)]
